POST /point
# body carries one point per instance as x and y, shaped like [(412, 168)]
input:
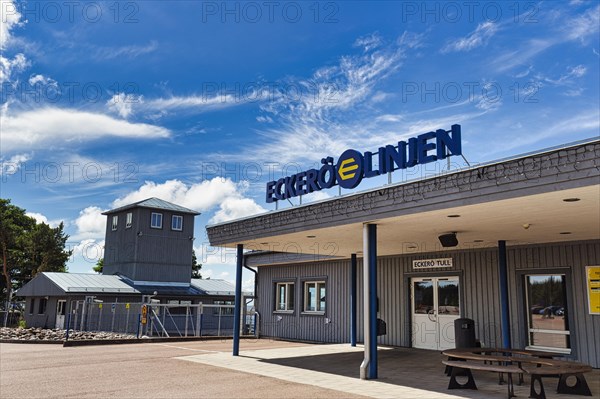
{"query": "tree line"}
[(28, 248)]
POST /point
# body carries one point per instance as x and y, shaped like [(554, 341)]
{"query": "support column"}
[(353, 296), (504, 305), (368, 368), (238, 300)]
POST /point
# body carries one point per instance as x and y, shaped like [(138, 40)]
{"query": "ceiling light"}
[(477, 240), (412, 247), (565, 232), (571, 199), (264, 243), (310, 236), (453, 216)]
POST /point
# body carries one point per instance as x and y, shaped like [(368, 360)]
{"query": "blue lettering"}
[(290, 190), (444, 141), (270, 191), (300, 183), (369, 172), (423, 147), (311, 180)]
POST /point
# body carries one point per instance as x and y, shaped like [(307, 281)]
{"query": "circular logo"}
[(350, 169)]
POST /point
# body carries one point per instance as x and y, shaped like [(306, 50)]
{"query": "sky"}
[(201, 103)]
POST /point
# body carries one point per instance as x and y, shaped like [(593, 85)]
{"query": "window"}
[(177, 222), (547, 321), (314, 296), (156, 221), (31, 306), (129, 220), (115, 221), (284, 297), (223, 311), (42, 306)]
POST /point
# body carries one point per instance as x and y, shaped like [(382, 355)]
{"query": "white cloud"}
[(582, 26), (40, 218), (132, 51), (43, 80), (122, 104), (46, 126), (202, 197), (12, 165), (90, 250), (369, 42), (479, 37), (9, 19), (9, 67), (91, 224)]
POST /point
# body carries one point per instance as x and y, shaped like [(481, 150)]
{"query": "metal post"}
[(368, 368), (238, 298), (68, 326), (504, 305), (353, 292)]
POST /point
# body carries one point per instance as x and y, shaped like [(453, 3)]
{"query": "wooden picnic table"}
[(538, 364)]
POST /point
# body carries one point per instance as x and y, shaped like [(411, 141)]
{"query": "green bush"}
[(22, 323)]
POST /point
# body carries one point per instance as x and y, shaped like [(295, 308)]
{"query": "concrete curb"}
[(89, 342), (26, 341)]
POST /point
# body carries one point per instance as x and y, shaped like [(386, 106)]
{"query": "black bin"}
[(381, 327), (464, 333)]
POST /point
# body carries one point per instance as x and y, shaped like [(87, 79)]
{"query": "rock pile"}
[(41, 334)]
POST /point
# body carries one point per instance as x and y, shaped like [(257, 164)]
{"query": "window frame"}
[(152, 225), (223, 311), (115, 222), (32, 306), (286, 284), (129, 220), (522, 310), (177, 217), (317, 283)]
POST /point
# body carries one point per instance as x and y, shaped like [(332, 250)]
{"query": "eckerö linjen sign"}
[(352, 166)]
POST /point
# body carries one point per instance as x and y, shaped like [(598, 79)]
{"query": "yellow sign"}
[(99, 306), (144, 314), (593, 285), (126, 306), (346, 168)]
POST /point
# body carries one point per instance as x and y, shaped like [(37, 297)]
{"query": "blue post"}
[(238, 300), (504, 305), (353, 292), (372, 264)]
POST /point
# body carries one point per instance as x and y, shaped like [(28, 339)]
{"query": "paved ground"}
[(139, 371), (206, 369)]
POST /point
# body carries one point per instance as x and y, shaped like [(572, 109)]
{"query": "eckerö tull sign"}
[(352, 166), (432, 263)]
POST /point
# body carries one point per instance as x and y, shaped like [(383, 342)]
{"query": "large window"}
[(548, 324), (115, 221), (284, 297), (156, 220), (129, 220), (177, 222), (314, 296)]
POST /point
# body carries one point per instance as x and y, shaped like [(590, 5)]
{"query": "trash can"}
[(464, 333), (381, 327)]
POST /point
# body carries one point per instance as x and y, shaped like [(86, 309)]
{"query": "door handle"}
[(431, 313)]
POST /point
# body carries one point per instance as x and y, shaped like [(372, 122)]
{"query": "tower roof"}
[(154, 203)]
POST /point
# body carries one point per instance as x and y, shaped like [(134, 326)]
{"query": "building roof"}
[(213, 286), (154, 203), (54, 284), (80, 283)]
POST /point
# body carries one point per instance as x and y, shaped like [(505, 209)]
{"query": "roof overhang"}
[(520, 201)]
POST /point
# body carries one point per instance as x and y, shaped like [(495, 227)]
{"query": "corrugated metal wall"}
[(478, 272)]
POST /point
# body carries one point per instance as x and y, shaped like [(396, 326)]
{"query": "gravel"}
[(41, 334)]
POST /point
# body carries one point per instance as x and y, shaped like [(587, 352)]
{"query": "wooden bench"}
[(458, 366), (563, 372)]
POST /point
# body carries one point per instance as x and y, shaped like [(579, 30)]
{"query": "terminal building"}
[(513, 245)]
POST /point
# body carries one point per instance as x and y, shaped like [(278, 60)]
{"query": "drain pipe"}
[(255, 297)]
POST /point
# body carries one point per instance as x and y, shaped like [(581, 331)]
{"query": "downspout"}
[(255, 297)]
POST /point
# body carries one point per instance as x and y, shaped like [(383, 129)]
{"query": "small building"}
[(148, 255), (512, 244)]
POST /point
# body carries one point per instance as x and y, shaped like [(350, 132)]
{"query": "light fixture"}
[(448, 240), (572, 199), (565, 232), (140, 233), (477, 240), (311, 236), (264, 243), (454, 216), (526, 225), (411, 247)]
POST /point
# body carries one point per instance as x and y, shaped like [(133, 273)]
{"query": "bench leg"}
[(532, 392), (511, 388), (580, 387), (470, 384)]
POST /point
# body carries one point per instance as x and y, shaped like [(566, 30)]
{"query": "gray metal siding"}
[(303, 326), (478, 273)]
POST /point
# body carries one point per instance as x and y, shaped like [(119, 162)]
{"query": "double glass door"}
[(435, 306)]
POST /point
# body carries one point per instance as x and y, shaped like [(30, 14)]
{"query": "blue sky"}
[(201, 103)]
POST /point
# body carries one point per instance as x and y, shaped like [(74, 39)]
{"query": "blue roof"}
[(154, 203)]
